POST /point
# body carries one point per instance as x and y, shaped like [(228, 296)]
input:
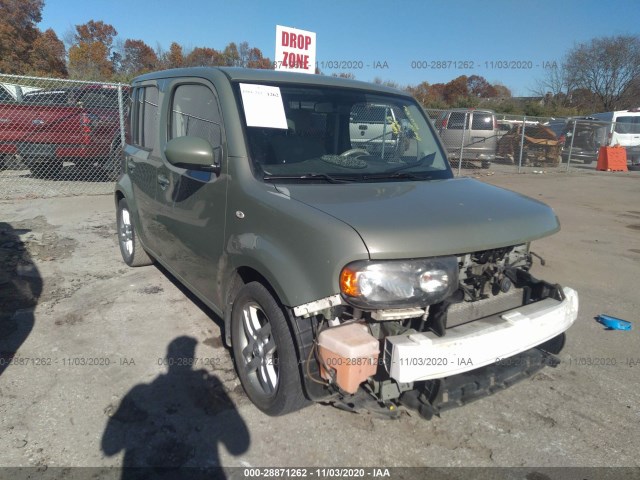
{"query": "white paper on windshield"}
[(263, 106)]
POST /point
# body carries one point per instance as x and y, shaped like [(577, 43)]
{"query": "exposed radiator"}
[(459, 313)]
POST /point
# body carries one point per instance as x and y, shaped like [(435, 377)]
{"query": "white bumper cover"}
[(425, 356)]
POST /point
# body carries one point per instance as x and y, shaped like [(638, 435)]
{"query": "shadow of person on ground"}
[(171, 427), (20, 288)]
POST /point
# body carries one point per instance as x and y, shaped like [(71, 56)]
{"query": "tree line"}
[(93, 52), (600, 75), (93, 55)]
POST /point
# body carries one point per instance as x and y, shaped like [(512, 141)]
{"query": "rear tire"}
[(485, 164), (131, 249), (264, 352)]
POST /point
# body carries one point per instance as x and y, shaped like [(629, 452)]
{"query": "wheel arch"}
[(299, 328), (124, 190), (236, 280)]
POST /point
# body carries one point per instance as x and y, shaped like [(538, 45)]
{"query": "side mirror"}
[(192, 152)]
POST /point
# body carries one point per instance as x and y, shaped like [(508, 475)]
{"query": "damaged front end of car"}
[(431, 334)]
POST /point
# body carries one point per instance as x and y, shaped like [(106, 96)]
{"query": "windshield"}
[(340, 135)]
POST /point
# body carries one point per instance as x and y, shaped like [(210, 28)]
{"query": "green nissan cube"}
[(320, 219)]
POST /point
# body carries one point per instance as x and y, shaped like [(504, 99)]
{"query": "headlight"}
[(399, 283)]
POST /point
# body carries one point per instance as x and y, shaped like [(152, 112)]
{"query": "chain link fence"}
[(484, 142), (60, 137), (65, 137)]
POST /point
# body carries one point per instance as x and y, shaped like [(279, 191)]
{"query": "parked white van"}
[(624, 131)]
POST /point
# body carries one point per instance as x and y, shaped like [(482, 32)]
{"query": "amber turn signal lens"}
[(349, 283)]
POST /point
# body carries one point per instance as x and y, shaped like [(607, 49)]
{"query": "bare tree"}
[(609, 67), (554, 82)]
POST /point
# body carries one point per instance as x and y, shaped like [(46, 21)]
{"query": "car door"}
[(142, 159), (482, 136), (193, 199), (453, 127)]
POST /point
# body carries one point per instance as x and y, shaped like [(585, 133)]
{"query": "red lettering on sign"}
[(296, 41), (302, 61)]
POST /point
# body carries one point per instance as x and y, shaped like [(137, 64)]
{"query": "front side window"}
[(195, 112), (352, 135)]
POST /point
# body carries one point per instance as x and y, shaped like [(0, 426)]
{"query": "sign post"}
[(295, 50)]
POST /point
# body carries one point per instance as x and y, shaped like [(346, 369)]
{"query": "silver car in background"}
[(471, 133)]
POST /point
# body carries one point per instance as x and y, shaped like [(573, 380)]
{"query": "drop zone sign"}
[(295, 50)]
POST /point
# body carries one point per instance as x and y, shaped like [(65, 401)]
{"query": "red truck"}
[(78, 124)]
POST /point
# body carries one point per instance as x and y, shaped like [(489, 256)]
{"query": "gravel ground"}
[(91, 386)]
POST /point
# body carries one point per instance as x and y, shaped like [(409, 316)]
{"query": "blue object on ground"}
[(613, 323)]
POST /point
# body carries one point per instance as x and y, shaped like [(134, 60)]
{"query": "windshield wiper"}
[(427, 158), (395, 172), (306, 176)]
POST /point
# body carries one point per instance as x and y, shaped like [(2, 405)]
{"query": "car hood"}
[(429, 218)]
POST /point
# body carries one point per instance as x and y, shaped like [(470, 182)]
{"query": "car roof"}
[(237, 74), (631, 112)]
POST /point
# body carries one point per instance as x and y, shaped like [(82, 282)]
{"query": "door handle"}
[(163, 181)]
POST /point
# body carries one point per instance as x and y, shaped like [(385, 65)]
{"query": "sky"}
[(406, 41)]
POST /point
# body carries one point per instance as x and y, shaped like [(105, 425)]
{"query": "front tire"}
[(131, 249), (264, 352)]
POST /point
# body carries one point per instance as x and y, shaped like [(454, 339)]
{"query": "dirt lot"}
[(90, 384)]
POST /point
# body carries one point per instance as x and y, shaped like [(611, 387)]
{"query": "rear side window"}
[(47, 98), (630, 124), (481, 121), (195, 112), (457, 120), (144, 113), (103, 97)]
